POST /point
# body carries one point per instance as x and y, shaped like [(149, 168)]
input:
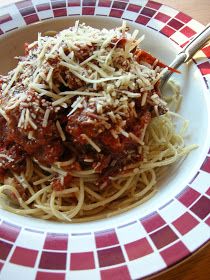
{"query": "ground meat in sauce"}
[(46, 146), (11, 150), (72, 81), (58, 185), (84, 51), (42, 145), (79, 123), (62, 76), (115, 153)]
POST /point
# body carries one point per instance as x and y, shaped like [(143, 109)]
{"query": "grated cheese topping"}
[(83, 68), (60, 130), (6, 157), (94, 145)]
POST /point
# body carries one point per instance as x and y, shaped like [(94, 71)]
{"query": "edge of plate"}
[(159, 239)]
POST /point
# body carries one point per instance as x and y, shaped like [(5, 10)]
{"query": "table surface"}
[(196, 266)]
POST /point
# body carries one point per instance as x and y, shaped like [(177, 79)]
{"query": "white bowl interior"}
[(195, 107)]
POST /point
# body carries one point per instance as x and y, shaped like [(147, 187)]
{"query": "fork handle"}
[(188, 52), (197, 43), (192, 47)]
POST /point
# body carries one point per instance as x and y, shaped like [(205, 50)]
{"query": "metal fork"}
[(187, 53)]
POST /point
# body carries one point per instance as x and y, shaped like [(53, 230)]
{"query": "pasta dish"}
[(85, 132)]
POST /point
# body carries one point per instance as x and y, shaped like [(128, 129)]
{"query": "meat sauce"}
[(45, 144), (12, 150), (79, 124)]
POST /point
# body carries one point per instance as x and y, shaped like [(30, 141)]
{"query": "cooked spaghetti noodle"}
[(85, 133)]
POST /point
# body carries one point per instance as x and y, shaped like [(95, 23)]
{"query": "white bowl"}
[(157, 215)]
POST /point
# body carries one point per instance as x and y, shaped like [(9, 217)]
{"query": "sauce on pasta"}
[(84, 129)]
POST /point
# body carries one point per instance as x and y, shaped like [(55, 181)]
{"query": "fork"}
[(187, 53)]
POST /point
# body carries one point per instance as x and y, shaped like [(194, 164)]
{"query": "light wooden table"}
[(197, 9), (197, 266)]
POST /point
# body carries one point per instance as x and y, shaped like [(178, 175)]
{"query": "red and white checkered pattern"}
[(28, 240), (82, 243), (142, 267), (141, 247), (125, 236)]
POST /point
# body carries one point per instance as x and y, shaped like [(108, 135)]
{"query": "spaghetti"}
[(85, 133)]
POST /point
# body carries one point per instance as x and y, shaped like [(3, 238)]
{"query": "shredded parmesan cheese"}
[(46, 117), (4, 115), (83, 68), (6, 157), (60, 130), (14, 77), (76, 105), (96, 147)]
